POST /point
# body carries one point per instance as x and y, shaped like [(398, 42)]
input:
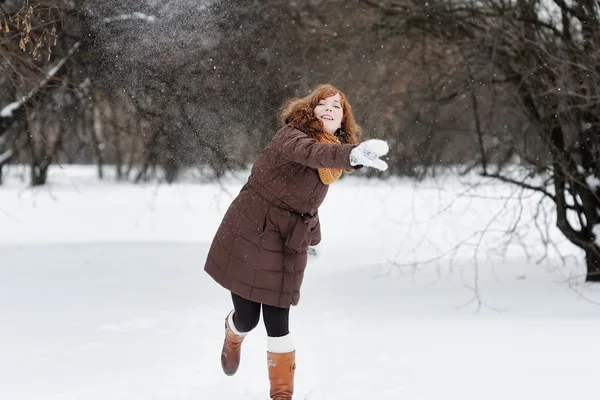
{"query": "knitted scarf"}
[(328, 175), (307, 122)]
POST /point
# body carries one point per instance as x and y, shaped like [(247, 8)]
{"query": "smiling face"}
[(329, 111)]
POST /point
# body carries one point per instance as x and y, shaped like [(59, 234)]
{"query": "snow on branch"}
[(135, 15), (5, 156), (7, 111)]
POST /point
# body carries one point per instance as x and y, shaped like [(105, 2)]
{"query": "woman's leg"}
[(277, 323), (246, 314), (238, 323), (277, 320), (281, 356)]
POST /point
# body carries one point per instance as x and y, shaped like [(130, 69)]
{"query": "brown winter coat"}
[(260, 249)]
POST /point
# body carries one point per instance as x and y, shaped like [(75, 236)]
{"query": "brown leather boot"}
[(282, 367), (232, 348)]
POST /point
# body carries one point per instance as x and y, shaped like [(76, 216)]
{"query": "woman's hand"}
[(368, 152)]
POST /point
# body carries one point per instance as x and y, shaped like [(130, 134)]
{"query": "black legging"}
[(247, 315)]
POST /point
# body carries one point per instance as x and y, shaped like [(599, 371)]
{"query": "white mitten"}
[(368, 152)]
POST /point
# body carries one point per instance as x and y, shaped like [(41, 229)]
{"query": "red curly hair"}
[(300, 113)]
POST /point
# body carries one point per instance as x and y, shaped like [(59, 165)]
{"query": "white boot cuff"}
[(284, 344), (232, 325)]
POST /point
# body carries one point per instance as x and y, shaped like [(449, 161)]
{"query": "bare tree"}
[(32, 63), (200, 83), (540, 55), (178, 84)]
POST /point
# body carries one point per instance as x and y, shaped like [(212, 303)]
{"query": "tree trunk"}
[(592, 260), (39, 174), (171, 169), (4, 159), (97, 136)]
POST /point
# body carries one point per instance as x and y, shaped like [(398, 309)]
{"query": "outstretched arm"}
[(295, 145)]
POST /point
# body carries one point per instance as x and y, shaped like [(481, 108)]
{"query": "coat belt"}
[(301, 228)]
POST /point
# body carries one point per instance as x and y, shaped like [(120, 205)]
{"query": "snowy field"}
[(103, 295)]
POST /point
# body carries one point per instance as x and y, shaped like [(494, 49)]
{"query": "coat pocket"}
[(264, 225), (299, 238)]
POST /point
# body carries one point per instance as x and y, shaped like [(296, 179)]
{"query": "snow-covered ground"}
[(103, 296)]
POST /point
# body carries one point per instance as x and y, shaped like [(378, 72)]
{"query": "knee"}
[(245, 322)]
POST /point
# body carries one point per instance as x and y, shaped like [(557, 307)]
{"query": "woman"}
[(259, 252)]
